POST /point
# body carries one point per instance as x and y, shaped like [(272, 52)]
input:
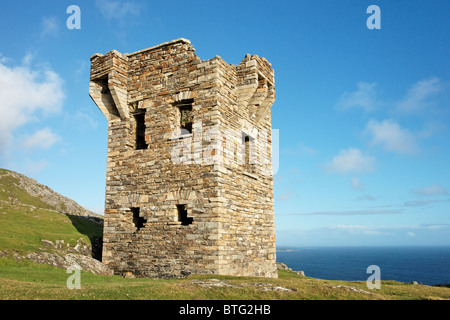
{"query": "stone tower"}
[(189, 185)]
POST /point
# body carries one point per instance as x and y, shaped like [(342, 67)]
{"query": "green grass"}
[(22, 230), (27, 280), (26, 220)]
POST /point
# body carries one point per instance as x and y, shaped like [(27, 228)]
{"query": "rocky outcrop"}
[(62, 255), (282, 266), (81, 261)]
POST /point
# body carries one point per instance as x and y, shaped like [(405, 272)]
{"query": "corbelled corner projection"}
[(189, 186)]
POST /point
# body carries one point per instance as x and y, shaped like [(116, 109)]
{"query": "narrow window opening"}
[(182, 215), (137, 220), (140, 131), (247, 151), (248, 154), (186, 116)]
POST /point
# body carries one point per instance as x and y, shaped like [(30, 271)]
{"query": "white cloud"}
[(351, 160), (118, 10), (43, 138), (364, 98), (433, 190), (25, 94), (392, 137), (420, 96), (49, 26)]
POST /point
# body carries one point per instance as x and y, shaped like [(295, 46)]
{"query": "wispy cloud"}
[(356, 184), (377, 230), (31, 167), (431, 128), (364, 98), (351, 160), (351, 234), (346, 212), (392, 137), (49, 26), (423, 203), (420, 96), (285, 196), (433, 190), (300, 149), (119, 11), (120, 14), (367, 197), (3, 59)]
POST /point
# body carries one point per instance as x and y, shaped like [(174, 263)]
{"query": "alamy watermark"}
[(74, 20), (251, 147), (74, 281), (374, 280), (374, 21)]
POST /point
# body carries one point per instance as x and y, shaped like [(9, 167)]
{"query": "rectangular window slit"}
[(186, 116), (140, 131), (249, 153)]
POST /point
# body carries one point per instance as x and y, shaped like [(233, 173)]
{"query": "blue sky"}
[(363, 115)]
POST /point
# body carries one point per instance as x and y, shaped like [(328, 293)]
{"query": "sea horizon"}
[(425, 264)]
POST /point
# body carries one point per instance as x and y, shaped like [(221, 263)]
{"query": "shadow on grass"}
[(92, 227)]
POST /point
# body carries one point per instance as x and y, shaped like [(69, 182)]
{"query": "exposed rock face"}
[(53, 199)]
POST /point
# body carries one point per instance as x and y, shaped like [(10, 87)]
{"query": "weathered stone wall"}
[(228, 225)]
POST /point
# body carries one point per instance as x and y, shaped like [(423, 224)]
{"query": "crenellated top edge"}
[(183, 40)]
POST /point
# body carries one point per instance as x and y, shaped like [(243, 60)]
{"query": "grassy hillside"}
[(25, 220)]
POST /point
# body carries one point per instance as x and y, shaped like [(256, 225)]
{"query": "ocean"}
[(426, 265)]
